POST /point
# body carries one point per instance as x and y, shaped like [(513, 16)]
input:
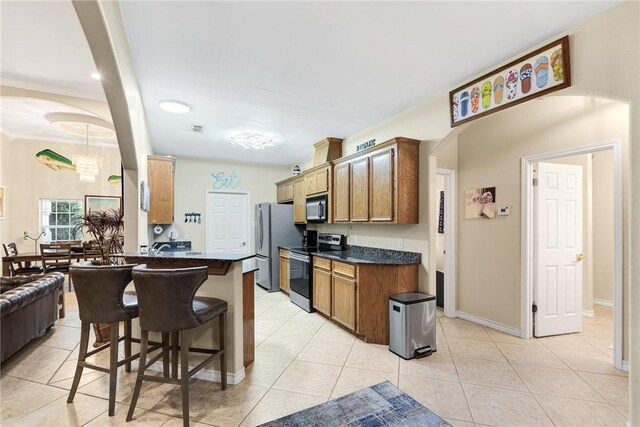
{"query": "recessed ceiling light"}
[(96, 76), (174, 106), (252, 140)]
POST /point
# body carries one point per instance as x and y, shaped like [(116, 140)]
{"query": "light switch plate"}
[(503, 211)]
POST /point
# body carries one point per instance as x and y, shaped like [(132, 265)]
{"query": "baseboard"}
[(204, 374), (588, 313), (625, 366), (604, 302), (489, 323)]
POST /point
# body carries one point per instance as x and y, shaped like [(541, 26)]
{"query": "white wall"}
[(27, 181), (603, 242), (193, 178)]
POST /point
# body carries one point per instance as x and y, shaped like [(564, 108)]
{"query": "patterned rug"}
[(378, 405)]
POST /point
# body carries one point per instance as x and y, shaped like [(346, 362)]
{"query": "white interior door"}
[(226, 222), (558, 237)]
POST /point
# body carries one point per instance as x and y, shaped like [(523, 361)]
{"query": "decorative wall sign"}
[(101, 203), (540, 72), (441, 214), (366, 145), (220, 181), (193, 217), (480, 203)]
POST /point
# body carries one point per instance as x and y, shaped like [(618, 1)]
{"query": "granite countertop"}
[(366, 255), (190, 255), (249, 265)]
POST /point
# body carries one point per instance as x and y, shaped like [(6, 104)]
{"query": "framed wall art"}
[(538, 73), (101, 203), (480, 203)]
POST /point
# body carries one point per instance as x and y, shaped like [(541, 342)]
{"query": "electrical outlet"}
[(186, 236), (400, 243)]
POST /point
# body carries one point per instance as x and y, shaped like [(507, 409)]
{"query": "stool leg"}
[(175, 345), (82, 355), (127, 344), (184, 375), (113, 367), (144, 341), (223, 356), (166, 348)]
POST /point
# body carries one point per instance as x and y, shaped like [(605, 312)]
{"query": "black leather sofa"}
[(28, 306)]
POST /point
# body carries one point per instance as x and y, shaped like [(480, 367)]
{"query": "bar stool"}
[(101, 299), (168, 304)]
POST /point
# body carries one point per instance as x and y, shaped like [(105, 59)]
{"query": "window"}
[(58, 218)]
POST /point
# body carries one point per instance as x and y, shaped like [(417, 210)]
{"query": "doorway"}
[(531, 253), (227, 221), (446, 241)]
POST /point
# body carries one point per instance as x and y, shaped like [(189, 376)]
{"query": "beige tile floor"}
[(479, 376)]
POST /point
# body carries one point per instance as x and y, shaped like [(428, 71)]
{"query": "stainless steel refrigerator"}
[(274, 228)]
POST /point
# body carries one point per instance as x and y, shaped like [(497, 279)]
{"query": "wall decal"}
[(114, 179), (365, 145), (480, 203), (513, 83), (441, 214), (220, 181)]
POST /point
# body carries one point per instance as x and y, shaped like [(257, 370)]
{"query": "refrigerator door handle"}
[(260, 225)]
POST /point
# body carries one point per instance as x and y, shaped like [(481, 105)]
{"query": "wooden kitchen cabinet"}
[(284, 270), (380, 184), (341, 193), (285, 191), (359, 190), (322, 290), (160, 177), (299, 201), (344, 300), (317, 180)]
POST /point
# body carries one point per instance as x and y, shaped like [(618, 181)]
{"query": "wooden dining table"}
[(28, 257)]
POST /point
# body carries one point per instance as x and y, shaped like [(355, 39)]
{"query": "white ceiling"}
[(44, 48), (26, 118), (301, 71)]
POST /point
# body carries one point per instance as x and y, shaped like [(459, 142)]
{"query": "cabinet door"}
[(299, 201), (341, 193), (310, 183), (322, 181), (360, 190), (280, 192), (322, 291), (343, 307), (284, 274), (288, 191), (160, 176), (382, 181)]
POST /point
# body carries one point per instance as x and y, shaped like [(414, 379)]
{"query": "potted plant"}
[(106, 228)]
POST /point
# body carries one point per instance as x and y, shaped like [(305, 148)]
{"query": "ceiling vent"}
[(197, 128)]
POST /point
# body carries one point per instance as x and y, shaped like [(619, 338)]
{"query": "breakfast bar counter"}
[(231, 278)]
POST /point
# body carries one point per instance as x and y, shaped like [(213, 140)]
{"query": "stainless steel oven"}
[(300, 280)]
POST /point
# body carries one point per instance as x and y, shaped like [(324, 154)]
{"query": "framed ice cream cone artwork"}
[(540, 72), (480, 203)]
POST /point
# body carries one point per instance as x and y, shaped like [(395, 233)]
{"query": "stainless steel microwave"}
[(317, 209)]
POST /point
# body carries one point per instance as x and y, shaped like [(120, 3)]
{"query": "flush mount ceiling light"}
[(76, 124), (96, 76), (176, 107), (252, 140)]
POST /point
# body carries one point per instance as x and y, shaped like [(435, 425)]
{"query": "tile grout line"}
[(464, 392)]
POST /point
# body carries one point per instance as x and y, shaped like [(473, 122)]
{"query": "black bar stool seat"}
[(168, 304)]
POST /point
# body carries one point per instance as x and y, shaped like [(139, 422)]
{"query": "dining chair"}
[(91, 250), (16, 267), (56, 257)]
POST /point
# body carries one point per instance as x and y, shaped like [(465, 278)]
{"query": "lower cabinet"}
[(322, 291), (284, 270), (343, 308)]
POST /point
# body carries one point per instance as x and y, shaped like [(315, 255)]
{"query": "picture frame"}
[(101, 203), (545, 70), (2, 197)]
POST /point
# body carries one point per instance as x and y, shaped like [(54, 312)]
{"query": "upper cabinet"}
[(380, 184), (160, 173), (317, 179), (285, 190), (299, 201)]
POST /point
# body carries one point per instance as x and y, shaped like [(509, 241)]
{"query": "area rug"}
[(378, 405)]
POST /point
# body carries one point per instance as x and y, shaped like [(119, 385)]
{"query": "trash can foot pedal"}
[(423, 352)]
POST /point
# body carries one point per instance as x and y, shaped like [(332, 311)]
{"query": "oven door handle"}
[(299, 257)]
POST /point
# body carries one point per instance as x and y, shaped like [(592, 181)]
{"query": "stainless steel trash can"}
[(412, 324)]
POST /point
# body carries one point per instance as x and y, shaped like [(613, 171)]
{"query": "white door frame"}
[(450, 224), (250, 248), (526, 275)]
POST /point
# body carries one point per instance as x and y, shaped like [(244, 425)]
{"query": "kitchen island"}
[(231, 278)]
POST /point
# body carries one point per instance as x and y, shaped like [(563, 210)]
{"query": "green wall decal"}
[(54, 160), (115, 179)]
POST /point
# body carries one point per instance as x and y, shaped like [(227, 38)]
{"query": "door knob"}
[(244, 243), (579, 257)]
